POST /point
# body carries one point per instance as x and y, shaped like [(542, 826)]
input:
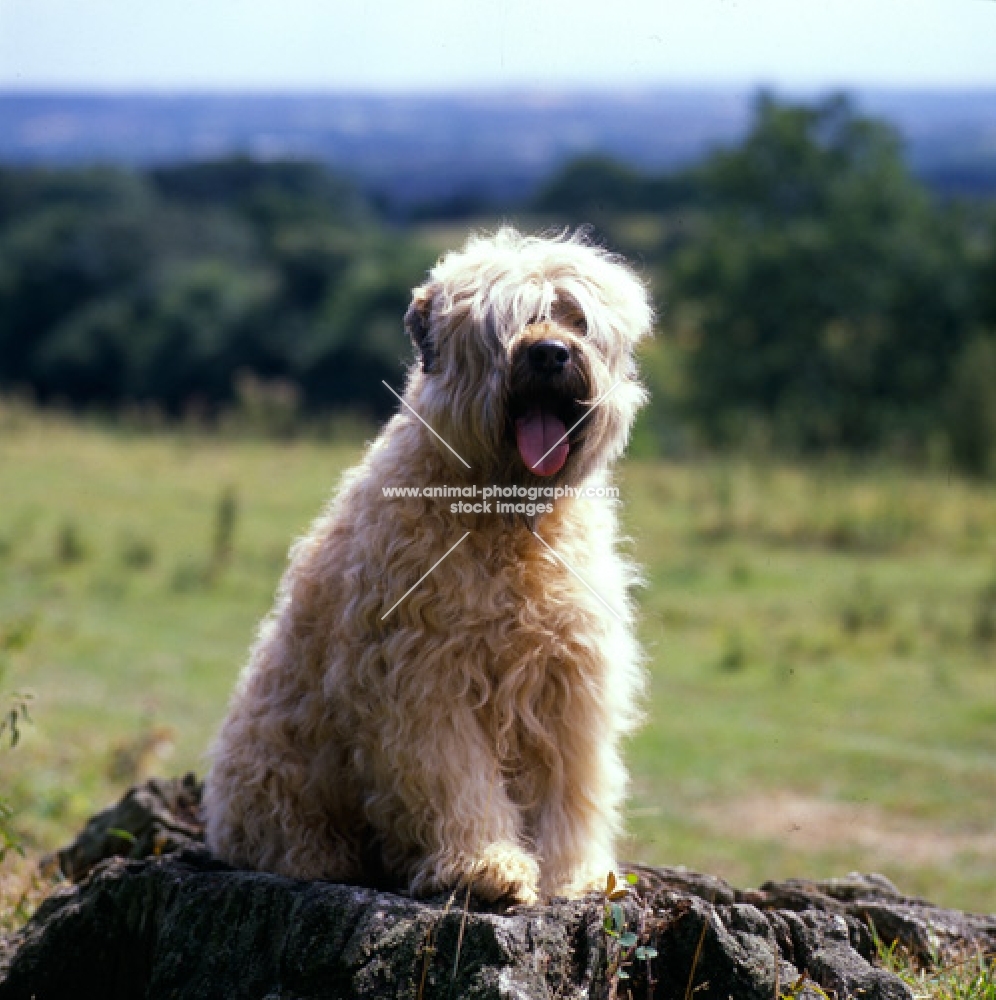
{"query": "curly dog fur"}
[(471, 735)]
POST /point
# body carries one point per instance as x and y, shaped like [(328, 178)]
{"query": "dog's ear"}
[(417, 325)]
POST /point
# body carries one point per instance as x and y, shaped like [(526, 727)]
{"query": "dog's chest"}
[(521, 596), (523, 625)]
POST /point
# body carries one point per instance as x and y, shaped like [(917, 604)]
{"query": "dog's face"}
[(526, 356)]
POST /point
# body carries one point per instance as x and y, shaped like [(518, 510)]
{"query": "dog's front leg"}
[(579, 817), (447, 804)]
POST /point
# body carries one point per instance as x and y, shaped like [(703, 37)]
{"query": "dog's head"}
[(525, 355)]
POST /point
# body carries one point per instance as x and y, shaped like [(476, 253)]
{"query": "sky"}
[(419, 45)]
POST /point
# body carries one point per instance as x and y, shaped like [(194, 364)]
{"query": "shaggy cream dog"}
[(469, 731)]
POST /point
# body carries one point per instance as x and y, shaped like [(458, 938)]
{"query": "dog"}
[(439, 694)]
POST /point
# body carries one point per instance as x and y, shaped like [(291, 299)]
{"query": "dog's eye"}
[(578, 323)]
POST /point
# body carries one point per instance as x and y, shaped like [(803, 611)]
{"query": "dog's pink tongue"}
[(537, 433)]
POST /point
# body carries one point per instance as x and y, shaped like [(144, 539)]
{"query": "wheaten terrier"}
[(439, 693)]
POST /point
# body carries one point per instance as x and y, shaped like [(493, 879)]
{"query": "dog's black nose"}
[(549, 357)]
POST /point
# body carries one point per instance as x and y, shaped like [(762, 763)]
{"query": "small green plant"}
[(863, 608), (69, 544), (192, 574), (225, 519), (984, 625), (15, 717), (14, 637), (734, 655), (614, 924), (126, 835), (137, 553)]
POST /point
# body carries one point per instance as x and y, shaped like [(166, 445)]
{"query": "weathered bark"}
[(185, 926)]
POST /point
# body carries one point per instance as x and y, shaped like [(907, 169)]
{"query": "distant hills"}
[(410, 150)]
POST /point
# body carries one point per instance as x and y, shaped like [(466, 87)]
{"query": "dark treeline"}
[(119, 287), (813, 295)]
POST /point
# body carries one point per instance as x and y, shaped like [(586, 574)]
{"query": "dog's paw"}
[(500, 872), (504, 871)]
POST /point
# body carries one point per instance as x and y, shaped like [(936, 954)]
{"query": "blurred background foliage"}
[(812, 294)]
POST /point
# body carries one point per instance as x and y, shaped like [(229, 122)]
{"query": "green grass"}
[(814, 640), (821, 642), (971, 978)]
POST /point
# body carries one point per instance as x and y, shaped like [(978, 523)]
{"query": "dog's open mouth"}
[(542, 440), (541, 433)]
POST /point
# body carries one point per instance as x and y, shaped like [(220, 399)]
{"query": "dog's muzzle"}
[(547, 387)]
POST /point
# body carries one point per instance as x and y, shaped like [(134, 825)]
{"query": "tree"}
[(358, 338), (825, 295), (118, 287), (56, 261)]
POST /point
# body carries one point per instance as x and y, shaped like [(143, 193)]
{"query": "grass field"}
[(822, 643)]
